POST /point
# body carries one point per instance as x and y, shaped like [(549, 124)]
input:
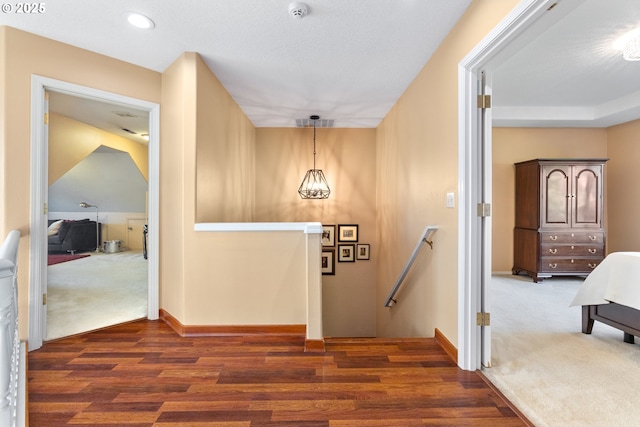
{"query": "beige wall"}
[(246, 278), (512, 145), (348, 160), (417, 164), (218, 278), (225, 169), (3, 158), (71, 141), (177, 166), (62, 62), (623, 191)]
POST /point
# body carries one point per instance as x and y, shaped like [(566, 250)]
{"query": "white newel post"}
[(8, 353)]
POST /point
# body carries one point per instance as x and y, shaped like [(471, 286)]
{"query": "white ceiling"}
[(350, 60), (565, 71)]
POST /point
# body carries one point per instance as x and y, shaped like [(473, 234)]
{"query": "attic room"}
[(216, 168), (111, 176)]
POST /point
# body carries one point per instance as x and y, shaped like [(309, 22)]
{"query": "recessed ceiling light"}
[(629, 44), (138, 20), (621, 41)]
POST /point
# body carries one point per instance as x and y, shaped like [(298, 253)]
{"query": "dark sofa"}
[(72, 236)]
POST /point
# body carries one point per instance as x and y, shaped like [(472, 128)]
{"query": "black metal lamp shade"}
[(314, 185)]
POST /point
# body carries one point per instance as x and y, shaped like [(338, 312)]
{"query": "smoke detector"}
[(298, 10)]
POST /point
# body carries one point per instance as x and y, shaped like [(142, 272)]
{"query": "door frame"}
[(497, 46), (39, 196)]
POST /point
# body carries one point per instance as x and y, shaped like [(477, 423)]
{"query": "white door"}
[(41, 224), (135, 236)]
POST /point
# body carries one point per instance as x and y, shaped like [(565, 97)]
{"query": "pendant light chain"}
[(314, 143)]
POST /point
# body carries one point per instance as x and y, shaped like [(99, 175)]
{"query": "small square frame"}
[(347, 233), (362, 251), (328, 236), (328, 262), (346, 253)]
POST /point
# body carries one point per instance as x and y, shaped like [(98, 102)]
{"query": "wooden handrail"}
[(424, 238)]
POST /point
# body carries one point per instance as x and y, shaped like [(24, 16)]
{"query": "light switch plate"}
[(451, 200)]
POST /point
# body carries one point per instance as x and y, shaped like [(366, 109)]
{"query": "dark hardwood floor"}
[(143, 374)]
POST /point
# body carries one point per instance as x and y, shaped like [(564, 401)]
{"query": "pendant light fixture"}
[(314, 185)]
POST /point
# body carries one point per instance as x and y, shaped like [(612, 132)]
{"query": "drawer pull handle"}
[(571, 261), (594, 238), (553, 265), (593, 251), (572, 247), (553, 237), (553, 250), (592, 265)]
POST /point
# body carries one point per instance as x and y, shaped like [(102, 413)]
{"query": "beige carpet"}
[(544, 364), (94, 292)]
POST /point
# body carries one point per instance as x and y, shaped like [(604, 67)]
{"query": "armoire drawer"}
[(568, 265), (569, 250), (572, 237)]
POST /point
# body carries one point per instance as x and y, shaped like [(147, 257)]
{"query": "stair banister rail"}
[(424, 238), (12, 350)]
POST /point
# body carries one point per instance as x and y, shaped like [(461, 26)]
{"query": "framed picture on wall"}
[(346, 253), (362, 251), (328, 264), (328, 235), (347, 232)]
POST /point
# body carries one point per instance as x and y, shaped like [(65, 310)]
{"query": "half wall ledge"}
[(311, 278), (307, 227)]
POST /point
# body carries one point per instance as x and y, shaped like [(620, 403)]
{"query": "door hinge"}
[(44, 299), (46, 118), (484, 209), (483, 319), (484, 101), (45, 209)]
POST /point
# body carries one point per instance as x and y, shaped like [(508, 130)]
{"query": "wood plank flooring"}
[(143, 374)]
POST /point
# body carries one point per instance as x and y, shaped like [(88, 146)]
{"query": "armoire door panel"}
[(587, 196), (556, 195)]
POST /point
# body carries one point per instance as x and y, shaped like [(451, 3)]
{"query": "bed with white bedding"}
[(611, 295)]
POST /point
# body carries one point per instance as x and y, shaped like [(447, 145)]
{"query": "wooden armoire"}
[(559, 228)]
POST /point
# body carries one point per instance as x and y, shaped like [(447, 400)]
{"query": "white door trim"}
[(470, 239), (39, 191)]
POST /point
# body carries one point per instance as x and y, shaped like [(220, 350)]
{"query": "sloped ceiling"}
[(121, 120), (107, 178)]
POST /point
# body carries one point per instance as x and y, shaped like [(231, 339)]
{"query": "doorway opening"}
[(40, 193), (474, 166), (98, 186)]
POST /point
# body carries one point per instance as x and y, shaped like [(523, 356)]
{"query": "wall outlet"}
[(451, 200)]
